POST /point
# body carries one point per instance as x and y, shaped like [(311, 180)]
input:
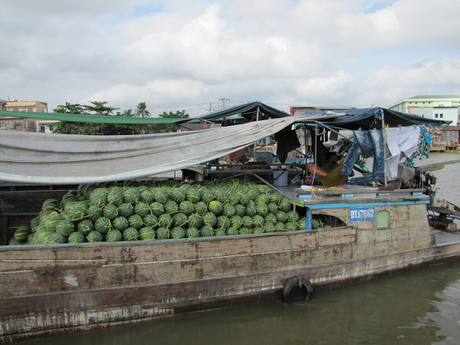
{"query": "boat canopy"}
[(367, 118), (127, 120), (67, 159), (248, 112), (55, 159)]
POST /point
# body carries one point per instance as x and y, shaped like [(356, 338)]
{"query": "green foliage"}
[(101, 108)]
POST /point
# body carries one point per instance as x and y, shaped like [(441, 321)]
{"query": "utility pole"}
[(209, 110), (223, 102)]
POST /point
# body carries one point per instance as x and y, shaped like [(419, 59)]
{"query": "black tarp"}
[(367, 118), (247, 111)]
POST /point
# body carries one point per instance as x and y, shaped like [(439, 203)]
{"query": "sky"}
[(197, 55)]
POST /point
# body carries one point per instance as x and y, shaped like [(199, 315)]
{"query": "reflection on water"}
[(445, 315), (412, 307)]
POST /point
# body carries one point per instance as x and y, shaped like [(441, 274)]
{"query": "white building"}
[(440, 113)]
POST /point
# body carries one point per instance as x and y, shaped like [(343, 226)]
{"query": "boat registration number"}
[(360, 214)]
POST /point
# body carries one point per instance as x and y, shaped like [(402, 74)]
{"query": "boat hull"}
[(58, 289)]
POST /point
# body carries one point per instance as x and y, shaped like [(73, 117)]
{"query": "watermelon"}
[(157, 208), (193, 195), (126, 210), (258, 220), (247, 222), (262, 199), (135, 221), (177, 194), (206, 231), (274, 198), (291, 215), (103, 225), (131, 195), (52, 220), (142, 209), (114, 235), (232, 231), (98, 197), (233, 199), (110, 211), (147, 196), (262, 209), (236, 222), (281, 216), (85, 226), (150, 220), (229, 210), (177, 232), (253, 193), (223, 222), (130, 234), (22, 233), (163, 233), (65, 227), (243, 198), (243, 231), (195, 221), (209, 219), (179, 219), (53, 238), (251, 210), (75, 211), (192, 232), (165, 221), (95, 236), (222, 195), (270, 218), (171, 207), (186, 207), (269, 227), (76, 237), (207, 195), (290, 226), (272, 207), (279, 226), (94, 213), (161, 195), (115, 196), (220, 233), (34, 223), (215, 207), (120, 223), (201, 208), (258, 230), (240, 210), (285, 205), (146, 233)]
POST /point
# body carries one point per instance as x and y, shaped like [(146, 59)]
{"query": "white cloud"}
[(182, 54)]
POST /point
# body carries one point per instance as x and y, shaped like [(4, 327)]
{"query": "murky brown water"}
[(416, 307)]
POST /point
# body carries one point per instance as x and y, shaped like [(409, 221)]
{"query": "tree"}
[(100, 108), (141, 110), (167, 128)]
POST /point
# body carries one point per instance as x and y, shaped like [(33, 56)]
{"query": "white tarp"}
[(68, 159)]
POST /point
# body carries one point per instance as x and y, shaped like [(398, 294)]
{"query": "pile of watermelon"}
[(160, 210)]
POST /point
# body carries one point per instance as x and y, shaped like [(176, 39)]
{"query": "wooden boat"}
[(63, 288)]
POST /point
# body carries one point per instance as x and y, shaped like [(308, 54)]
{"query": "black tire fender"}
[(296, 281)]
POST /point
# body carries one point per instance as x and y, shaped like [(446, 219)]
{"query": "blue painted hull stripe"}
[(349, 205)]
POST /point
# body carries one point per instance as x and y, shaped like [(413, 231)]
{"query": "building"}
[(23, 123), (441, 112), (406, 105)]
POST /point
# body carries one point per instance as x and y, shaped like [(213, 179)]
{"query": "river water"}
[(420, 306)]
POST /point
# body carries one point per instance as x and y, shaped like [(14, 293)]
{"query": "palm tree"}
[(141, 110)]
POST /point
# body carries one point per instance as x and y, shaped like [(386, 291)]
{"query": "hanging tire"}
[(296, 281)]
